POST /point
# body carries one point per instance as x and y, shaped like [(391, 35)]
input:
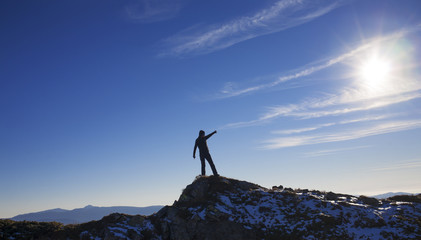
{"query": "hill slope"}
[(222, 208), (81, 215)]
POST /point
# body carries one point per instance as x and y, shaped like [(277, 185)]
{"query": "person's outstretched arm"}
[(210, 135), (194, 150)]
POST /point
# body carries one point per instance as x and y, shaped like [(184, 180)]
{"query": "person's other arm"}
[(210, 135), (194, 150)]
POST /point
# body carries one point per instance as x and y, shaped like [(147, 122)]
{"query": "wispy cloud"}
[(402, 165), (304, 110), (365, 119), (319, 126), (282, 15), (301, 130), (332, 151), (147, 11), (387, 127)]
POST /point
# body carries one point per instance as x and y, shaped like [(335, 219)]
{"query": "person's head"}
[(201, 133)]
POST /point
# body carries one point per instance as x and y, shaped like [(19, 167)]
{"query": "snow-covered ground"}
[(302, 211)]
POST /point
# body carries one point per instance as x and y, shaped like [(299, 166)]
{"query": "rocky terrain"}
[(223, 208)]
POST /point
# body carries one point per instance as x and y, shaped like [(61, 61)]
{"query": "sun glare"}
[(384, 70), (374, 76), (375, 71)]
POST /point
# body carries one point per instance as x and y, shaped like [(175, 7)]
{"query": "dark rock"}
[(331, 196), (406, 198), (369, 201)]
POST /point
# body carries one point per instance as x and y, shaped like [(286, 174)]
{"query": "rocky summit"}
[(223, 208)]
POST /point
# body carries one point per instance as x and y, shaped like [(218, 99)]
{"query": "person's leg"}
[(209, 158), (202, 160)]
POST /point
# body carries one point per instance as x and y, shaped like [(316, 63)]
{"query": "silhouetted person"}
[(204, 152)]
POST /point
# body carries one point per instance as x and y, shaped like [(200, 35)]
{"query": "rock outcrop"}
[(223, 208)]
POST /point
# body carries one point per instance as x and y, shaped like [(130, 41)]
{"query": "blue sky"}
[(102, 100)]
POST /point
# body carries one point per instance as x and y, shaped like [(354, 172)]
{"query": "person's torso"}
[(202, 145)]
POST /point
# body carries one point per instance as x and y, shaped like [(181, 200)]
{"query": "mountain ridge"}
[(82, 215), (224, 208), (391, 194)]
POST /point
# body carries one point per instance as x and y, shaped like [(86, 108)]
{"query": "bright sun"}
[(375, 74), (383, 70), (375, 71)]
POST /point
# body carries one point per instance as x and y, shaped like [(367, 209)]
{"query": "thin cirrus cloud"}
[(282, 15), (301, 130), (303, 110), (402, 165), (332, 151), (148, 11), (384, 128), (313, 128)]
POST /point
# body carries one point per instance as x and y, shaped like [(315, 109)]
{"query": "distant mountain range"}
[(82, 215), (391, 194)]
